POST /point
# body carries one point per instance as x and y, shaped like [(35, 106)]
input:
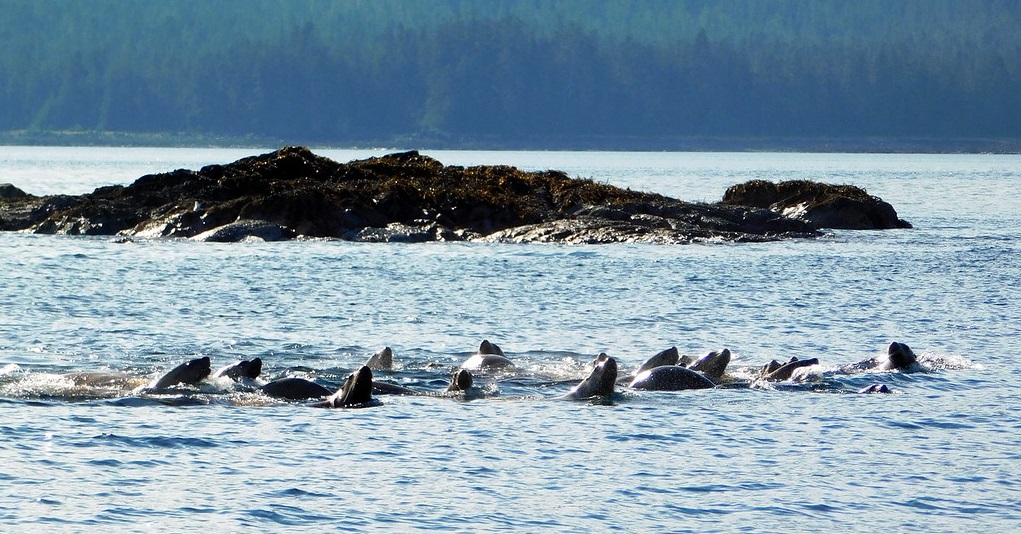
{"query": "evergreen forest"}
[(538, 74)]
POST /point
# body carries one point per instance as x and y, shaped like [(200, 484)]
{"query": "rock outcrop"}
[(824, 205), (9, 191), (293, 193)]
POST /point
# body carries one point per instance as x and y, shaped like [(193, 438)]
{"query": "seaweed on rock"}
[(404, 196)]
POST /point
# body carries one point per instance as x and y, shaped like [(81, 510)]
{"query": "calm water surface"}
[(939, 454)]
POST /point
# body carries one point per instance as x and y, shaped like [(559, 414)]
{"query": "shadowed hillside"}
[(659, 74)]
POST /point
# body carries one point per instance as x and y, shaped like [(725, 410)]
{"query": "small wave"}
[(182, 400), (108, 462), (647, 437), (160, 442), (706, 488), (132, 402), (74, 387), (944, 424), (190, 510), (297, 492), (695, 512), (288, 515), (556, 365), (923, 503), (123, 514), (51, 520), (905, 425)]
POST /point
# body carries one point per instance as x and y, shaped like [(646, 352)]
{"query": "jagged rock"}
[(640, 229), (178, 224), (824, 205), (9, 191), (399, 197)]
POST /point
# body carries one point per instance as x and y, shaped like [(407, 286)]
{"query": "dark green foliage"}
[(514, 72)]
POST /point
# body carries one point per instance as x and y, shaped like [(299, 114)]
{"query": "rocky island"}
[(293, 193)]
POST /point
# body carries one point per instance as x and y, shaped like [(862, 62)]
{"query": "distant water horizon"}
[(600, 143)]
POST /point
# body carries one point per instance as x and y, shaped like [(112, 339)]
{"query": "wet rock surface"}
[(824, 205), (408, 197)]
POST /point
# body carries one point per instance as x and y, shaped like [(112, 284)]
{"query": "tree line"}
[(502, 73)]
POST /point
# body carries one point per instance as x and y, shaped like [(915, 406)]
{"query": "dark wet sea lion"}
[(490, 348), (461, 381), (600, 382), (666, 357), (875, 388), (356, 391), (773, 365), (898, 356), (188, 373), (712, 365), (389, 388), (382, 360), (121, 381), (294, 388), (243, 230), (775, 372), (489, 356), (670, 378), (249, 369)]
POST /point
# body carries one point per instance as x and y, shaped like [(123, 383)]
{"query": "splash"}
[(9, 369), (947, 362)]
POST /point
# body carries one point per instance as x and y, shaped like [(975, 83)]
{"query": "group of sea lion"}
[(669, 371), (664, 371), (357, 389), (899, 357)]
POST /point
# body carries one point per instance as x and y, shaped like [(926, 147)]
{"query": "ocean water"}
[(938, 454)]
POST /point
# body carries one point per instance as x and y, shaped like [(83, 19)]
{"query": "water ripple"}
[(162, 442), (296, 492), (939, 453), (288, 515)]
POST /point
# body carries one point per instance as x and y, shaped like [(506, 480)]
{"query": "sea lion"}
[(773, 365), (875, 388), (106, 382), (601, 380), (243, 230), (293, 388), (489, 356), (777, 372), (898, 356), (665, 357), (245, 369), (188, 373), (388, 388), (382, 360), (461, 381), (670, 378), (356, 391), (712, 365)]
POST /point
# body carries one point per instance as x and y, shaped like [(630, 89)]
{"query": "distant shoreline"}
[(442, 141)]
